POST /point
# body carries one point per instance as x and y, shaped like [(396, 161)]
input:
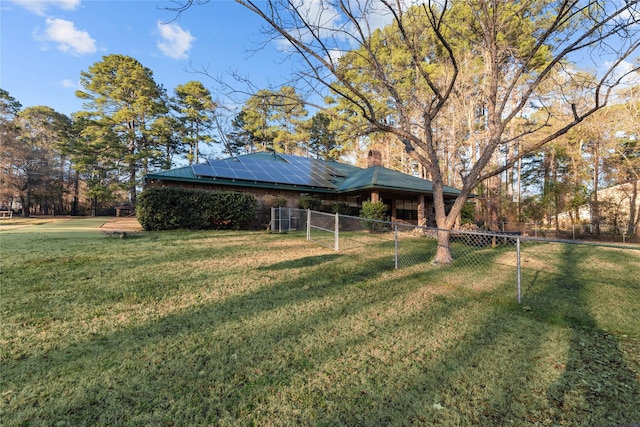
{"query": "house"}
[(618, 205), (282, 179)]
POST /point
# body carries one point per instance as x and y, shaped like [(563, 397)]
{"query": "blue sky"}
[(45, 44)]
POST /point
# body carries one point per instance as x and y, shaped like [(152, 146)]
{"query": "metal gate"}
[(284, 220)]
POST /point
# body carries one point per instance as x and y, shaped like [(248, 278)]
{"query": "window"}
[(407, 210)]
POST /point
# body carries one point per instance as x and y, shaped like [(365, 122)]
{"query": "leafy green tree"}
[(98, 156), (41, 169), (167, 133), (10, 150), (237, 139), (257, 119), (400, 79), (323, 143), (289, 114), (274, 119), (196, 111), (122, 100)]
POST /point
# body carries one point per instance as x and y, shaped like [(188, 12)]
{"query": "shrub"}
[(341, 208), (467, 216), (271, 201), (374, 212), (172, 208), (309, 202)]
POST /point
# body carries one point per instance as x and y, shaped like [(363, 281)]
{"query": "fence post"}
[(335, 231), (272, 223), (280, 219), (395, 226), (308, 225), (518, 266)]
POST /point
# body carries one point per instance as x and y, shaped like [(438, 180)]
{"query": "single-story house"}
[(616, 205), (282, 179)]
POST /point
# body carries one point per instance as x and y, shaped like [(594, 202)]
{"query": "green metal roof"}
[(378, 177), (183, 172), (337, 177)]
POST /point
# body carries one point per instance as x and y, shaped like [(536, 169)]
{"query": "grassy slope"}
[(250, 328)]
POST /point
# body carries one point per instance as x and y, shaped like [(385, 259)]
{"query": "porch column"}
[(428, 214), (375, 196), (421, 218)]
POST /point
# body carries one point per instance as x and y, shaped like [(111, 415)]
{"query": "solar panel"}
[(203, 170), (306, 162), (276, 168), (245, 174), (223, 172)]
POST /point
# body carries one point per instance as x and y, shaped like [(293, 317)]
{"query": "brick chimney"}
[(374, 158)]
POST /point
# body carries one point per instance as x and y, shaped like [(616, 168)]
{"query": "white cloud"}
[(68, 83), (39, 7), (631, 12), (175, 42), (68, 38), (337, 30), (335, 55), (624, 70)]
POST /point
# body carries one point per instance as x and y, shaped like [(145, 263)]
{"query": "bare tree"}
[(396, 68)]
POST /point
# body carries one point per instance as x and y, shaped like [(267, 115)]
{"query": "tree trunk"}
[(26, 203), (519, 185), (493, 187), (76, 194), (443, 253), (508, 181), (132, 185), (556, 195), (445, 222), (595, 208), (133, 169), (632, 208)]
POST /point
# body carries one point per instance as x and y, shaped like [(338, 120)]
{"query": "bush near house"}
[(171, 208), (309, 202), (373, 212), (341, 208)]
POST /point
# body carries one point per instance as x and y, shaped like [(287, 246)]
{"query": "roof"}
[(378, 177), (285, 171)]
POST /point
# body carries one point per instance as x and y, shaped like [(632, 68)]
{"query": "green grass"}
[(244, 328)]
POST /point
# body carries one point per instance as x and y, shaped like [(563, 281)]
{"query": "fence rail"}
[(408, 245)]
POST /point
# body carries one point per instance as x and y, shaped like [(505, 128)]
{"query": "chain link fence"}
[(523, 260), (586, 231)]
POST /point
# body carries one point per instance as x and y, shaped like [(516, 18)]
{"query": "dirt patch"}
[(126, 223)]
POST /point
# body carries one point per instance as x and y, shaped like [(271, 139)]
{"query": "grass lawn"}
[(251, 328)]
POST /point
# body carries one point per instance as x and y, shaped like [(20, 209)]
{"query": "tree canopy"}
[(122, 99), (403, 77)]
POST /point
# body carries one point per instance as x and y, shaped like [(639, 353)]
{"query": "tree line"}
[(130, 125)]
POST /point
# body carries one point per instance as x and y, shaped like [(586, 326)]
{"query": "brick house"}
[(282, 179)]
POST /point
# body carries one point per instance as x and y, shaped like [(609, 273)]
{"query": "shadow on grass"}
[(225, 359), (308, 261), (596, 380), (346, 343)]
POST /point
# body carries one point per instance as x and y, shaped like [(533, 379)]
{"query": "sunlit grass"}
[(241, 328), (19, 221)]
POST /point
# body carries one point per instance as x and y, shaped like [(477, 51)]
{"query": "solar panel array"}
[(278, 169)]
